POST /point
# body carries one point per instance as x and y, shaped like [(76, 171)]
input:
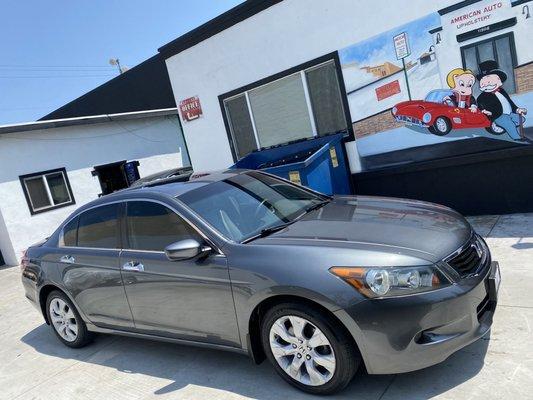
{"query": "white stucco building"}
[(269, 72), (46, 167)]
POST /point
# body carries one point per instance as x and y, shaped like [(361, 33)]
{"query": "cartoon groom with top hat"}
[(495, 102)]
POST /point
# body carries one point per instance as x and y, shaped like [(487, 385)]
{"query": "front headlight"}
[(426, 117), (394, 110), (392, 281)]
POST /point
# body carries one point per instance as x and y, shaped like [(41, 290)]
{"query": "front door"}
[(188, 299), (500, 49)]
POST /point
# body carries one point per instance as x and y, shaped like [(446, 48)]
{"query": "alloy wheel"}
[(302, 350), (441, 125), (63, 320)]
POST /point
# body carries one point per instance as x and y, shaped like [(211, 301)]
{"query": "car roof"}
[(169, 188), (164, 173), (160, 190)]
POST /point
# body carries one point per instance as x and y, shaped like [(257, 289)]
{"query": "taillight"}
[(24, 261)]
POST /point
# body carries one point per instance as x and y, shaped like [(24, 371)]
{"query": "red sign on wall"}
[(190, 109), (388, 90)]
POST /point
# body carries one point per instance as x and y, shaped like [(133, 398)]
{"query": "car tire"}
[(441, 127), (339, 354), (495, 129), (66, 321)]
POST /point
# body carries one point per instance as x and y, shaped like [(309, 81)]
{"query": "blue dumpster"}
[(318, 163)]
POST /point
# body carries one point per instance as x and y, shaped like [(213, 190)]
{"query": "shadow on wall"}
[(185, 366)]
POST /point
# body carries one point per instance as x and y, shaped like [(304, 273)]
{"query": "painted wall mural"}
[(458, 80)]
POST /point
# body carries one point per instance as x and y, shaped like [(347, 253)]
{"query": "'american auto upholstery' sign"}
[(480, 14)]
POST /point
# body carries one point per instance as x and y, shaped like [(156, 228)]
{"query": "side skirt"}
[(97, 329)]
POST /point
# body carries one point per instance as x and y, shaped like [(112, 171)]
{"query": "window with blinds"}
[(301, 105)]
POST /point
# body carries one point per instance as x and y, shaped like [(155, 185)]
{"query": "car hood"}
[(427, 230), (418, 106)]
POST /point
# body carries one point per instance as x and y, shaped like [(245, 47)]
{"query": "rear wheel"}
[(495, 129), (442, 126), (309, 350), (66, 321)]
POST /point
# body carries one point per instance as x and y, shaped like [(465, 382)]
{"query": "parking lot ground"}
[(34, 365)]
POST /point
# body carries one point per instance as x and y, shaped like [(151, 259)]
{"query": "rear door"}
[(189, 299), (89, 266)]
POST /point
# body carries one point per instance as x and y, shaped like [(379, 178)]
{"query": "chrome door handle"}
[(133, 266), (67, 259)]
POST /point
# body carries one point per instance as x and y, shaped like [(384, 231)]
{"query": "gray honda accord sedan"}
[(248, 262)]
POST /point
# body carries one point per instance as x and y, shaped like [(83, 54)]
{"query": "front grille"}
[(409, 119), (468, 258)]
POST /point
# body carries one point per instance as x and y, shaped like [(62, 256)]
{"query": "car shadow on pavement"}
[(203, 372)]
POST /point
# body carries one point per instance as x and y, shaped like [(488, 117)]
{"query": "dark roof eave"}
[(85, 120), (457, 6)]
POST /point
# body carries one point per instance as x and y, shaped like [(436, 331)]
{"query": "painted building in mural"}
[(255, 94), (453, 41)]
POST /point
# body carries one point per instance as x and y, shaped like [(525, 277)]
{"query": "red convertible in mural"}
[(439, 115)]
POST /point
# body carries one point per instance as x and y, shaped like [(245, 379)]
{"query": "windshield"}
[(245, 205), (437, 96)]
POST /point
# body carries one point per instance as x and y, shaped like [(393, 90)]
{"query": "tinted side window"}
[(99, 227), (152, 226), (70, 233)]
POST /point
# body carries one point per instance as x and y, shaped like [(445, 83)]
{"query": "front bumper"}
[(408, 333), (410, 120)]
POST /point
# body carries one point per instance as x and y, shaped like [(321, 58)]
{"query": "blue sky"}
[(380, 48), (55, 51)]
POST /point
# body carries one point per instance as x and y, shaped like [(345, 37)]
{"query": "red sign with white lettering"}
[(190, 109), (388, 90)]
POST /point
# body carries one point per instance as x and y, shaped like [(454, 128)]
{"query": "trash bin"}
[(317, 163)]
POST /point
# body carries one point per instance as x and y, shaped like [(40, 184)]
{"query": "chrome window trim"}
[(173, 209)]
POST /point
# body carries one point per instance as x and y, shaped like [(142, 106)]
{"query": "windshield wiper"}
[(267, 231), (271, 229), (316, 206)]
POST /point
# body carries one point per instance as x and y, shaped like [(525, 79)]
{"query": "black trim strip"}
[(454, 161), (519, 2), (435, 30), (457, 6), (216, 25), (485, 30)]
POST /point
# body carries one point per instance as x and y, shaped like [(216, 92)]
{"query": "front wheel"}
[(495, 129), (65, 320), (441, 127), (308, 349)]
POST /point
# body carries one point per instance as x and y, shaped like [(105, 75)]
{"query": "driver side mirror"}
[(185, 250)]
